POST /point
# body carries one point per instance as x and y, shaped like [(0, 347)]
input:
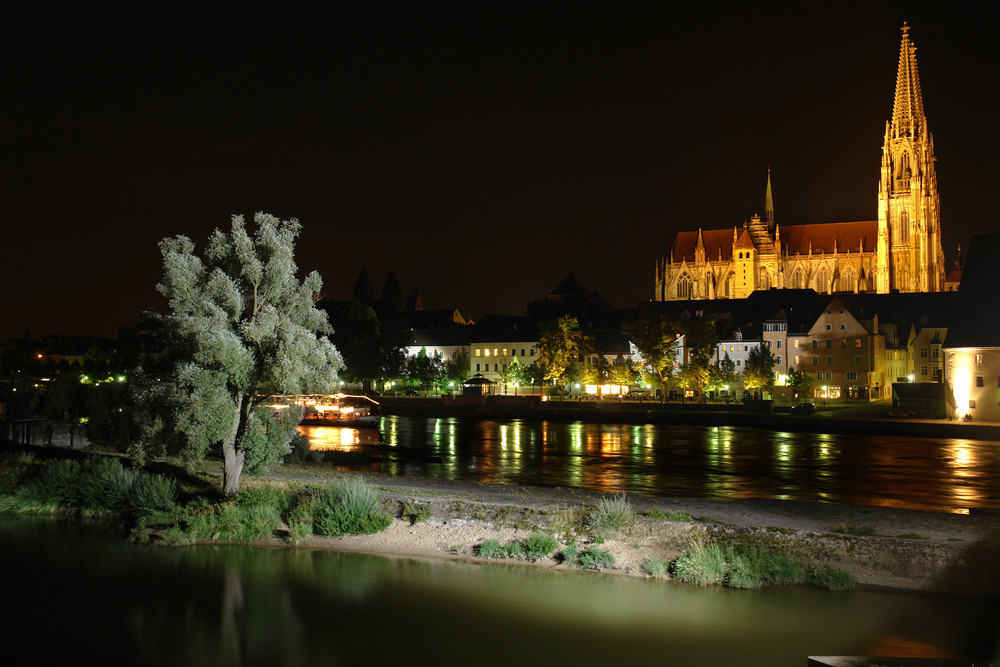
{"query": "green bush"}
[(737, 564), (594, 558), (569, 555), (831, 579), (350, 508), (539, 545), (704, 564), (611, 516), (654, 567), (491, 549), (300, 519)]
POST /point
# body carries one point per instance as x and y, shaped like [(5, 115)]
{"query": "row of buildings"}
[(852, 346)]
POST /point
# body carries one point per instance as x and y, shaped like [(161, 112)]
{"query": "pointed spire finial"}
[(768, 201), (908, 108)]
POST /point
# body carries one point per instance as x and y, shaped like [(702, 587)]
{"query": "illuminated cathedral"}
[(900, 251)]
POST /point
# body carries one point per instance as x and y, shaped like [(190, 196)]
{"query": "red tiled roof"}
[(716, 241), (847, 236)]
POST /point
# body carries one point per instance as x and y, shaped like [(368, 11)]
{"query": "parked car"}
[(804, 408)]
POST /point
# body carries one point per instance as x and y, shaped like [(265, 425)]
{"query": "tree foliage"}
[(559, 346), (700, 339), (242, 328), (655, 336), (800, 381), (758, 373)]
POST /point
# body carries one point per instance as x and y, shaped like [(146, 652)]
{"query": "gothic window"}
[(684, 286), (798, 280), (765, 281), (848, 281), (823, 281), (904, 227)]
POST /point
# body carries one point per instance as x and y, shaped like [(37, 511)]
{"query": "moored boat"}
[(337, 409)]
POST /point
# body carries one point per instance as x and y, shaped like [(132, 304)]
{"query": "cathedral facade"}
[(900, 251)]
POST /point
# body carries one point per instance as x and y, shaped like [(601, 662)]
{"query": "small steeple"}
[(769, 202), (908, 109)]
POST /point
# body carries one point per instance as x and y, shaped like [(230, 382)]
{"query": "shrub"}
[(704, 564), (853, 529), (350, 508), (654, 567), (539, 545), (611, 516), (656, 513), (594, 558), (300, 519), (569, 555), (831, 579), (416, 512), (491, 549)]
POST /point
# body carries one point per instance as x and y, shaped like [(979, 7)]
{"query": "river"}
[(710, 462), (73, 594)]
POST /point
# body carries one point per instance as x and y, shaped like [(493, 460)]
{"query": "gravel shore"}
[(899, 549)]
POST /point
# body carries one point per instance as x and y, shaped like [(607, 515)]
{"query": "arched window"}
[(904, 226), (848, 281), (823, 281), (798, 279), (684, 286), (765, 280)]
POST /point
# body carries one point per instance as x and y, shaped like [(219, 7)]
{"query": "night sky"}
[(481, 154)]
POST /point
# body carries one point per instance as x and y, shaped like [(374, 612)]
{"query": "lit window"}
[(478, 351), (795, 344), (796, 362), (979, 358), (857, 342), (843, 343), (487, 352)]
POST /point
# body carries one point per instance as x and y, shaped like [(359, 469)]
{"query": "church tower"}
[(909, 254)]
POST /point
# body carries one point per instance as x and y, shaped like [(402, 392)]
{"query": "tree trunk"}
[(232, 456)]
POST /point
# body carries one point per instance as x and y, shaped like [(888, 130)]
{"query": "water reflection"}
[(237, 605), (717, 462)]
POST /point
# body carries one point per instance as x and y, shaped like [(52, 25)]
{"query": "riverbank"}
[(881, 547), (835, 418)]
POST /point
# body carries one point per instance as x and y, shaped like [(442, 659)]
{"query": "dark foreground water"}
[(76, 597), (716, 462)]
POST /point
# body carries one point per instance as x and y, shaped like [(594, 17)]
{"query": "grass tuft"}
[(351, 507), (854, 529), (611, 517)]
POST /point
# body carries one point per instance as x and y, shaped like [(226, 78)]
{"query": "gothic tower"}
[(909, 256)]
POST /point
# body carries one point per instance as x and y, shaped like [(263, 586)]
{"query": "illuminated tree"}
[(799, 381), (724, 376), (655, 337), (758, 374), (510, 371), (559, 347), (622, 372), (700, 339), (242, 328)]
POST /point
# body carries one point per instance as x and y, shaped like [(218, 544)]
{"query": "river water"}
[(711, 462), (74, 595)]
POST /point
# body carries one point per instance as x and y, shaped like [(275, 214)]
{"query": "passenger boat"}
[(337, 410)]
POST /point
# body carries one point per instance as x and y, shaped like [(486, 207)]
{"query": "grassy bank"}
[(172, 507)]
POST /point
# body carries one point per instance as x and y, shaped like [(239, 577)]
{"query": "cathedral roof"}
[(821, 237), (718, 242), (830, 236), (744, 241)]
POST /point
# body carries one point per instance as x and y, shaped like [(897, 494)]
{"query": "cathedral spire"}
[(908, 109), (768, 201)]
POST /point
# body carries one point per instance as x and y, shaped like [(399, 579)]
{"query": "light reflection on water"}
[(716, 462)]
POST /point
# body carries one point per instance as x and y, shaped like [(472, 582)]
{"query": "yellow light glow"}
[(960, 386)]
